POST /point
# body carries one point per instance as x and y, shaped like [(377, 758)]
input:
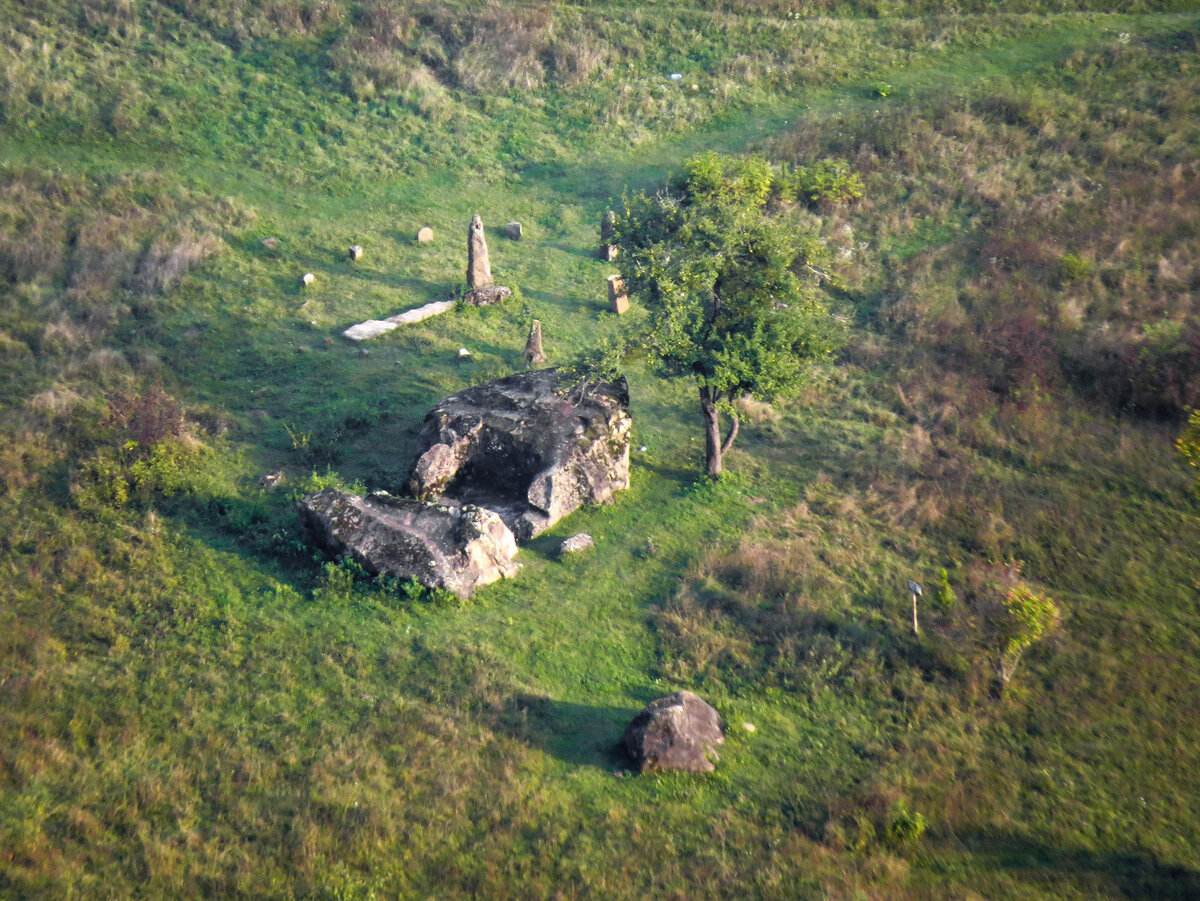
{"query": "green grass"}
[(191, 708)]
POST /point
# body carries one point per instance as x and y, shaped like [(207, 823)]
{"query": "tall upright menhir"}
[(479, 270)]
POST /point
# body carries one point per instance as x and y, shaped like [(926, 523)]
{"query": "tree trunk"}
[(712, 433)]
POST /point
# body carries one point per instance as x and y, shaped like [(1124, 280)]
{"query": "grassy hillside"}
[(192, 705)]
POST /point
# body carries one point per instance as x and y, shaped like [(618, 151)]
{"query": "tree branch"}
[(733, 432)]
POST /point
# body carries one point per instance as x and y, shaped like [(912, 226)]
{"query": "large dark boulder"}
[(533, 447), (456, 548), (679, 732)]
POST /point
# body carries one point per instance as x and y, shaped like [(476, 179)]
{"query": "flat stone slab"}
[(373, 328), (455, 548)]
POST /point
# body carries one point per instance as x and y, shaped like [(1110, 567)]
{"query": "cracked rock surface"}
[(458, 548), (532, 447)]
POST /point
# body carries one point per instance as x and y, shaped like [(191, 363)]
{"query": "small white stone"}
[(308, 279), (642, 449), (675, 76), (463, 352), (749, 727)]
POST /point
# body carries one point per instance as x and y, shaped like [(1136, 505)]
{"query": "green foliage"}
[(905, 826), (943, 593), (1188, 444), (718, 277), (1073, 269), (825, 183), (881, 89)]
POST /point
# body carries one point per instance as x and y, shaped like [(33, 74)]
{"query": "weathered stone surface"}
[(269, 243), (533, 447), (513, 231), (372, 328), (482, 297), (679, 732), (576, 544), (479, 270), (608, 228), (425, 235), (456, 548), (618, 300), (533, 345)]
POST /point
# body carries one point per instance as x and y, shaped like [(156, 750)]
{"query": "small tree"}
[(1031, 617), (720, 278), (1009, 616)]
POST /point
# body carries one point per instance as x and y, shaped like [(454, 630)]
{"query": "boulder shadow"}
[(583, 735), (1133, 874)]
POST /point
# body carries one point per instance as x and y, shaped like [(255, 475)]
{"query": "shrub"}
[(1073, 269), (827, 183), (904, 826), (1188, 445)]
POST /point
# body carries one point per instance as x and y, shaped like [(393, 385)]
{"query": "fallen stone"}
[(425, 235), (454, 548), (533, 447), (679, 732), (576, 544), (373, 328), (513, 231), (479, 270), (356, 252), (483, 297)]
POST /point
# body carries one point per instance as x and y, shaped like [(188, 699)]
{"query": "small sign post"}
[(916, 593)]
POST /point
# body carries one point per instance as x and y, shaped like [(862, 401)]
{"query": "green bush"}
[(1073, 269), (826, 183)]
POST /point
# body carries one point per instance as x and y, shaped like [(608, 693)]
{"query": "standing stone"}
[(479, 271), (513, 231), (533, 346), (608, 225), (308, 279), (618, 301), (356, 252), (425, 235)]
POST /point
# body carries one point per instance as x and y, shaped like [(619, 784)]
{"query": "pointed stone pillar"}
[(533, 346), (479, 270)]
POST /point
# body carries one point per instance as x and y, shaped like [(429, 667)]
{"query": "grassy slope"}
[(192, 714)]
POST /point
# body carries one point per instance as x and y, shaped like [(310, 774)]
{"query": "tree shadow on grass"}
[(1129, 874), (583, 735)]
